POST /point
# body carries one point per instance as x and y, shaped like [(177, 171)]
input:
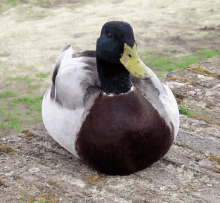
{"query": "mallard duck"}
[(108, 108)]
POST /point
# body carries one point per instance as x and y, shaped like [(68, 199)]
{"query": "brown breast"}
[(123, 134)]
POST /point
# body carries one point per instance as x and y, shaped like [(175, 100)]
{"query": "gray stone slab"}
[(39, 167)]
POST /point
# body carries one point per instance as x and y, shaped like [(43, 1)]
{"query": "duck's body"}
[(113, 121)]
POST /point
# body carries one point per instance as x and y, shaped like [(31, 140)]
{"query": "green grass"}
[(42, 75), (40, 201), (3, 106), (184, 111), (27, 5), (10, 122), (34, 103), (164, 65), (18, 111), (10, 1), (15, 117), (21, 79), (208, 53), (37, 86), (6, 94), (41, 2)]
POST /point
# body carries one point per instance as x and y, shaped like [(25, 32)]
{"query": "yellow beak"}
[(134, 64)]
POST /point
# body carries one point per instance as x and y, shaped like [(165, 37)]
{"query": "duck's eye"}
[(130, 55), (109, 35)]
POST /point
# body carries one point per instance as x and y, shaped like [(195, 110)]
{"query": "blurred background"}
[(170, 35)]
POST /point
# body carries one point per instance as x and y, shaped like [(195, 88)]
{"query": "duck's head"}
[(117, 58)]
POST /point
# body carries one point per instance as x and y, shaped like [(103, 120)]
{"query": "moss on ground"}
[(217, 160), (50, 182), (6, 149), (28, 135), (46, 198), (201, 71)]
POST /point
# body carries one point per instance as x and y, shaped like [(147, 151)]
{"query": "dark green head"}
[(117, 58), (110, 44), (114, 77)]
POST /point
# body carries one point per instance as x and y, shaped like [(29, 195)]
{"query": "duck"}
[(108, 108)]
